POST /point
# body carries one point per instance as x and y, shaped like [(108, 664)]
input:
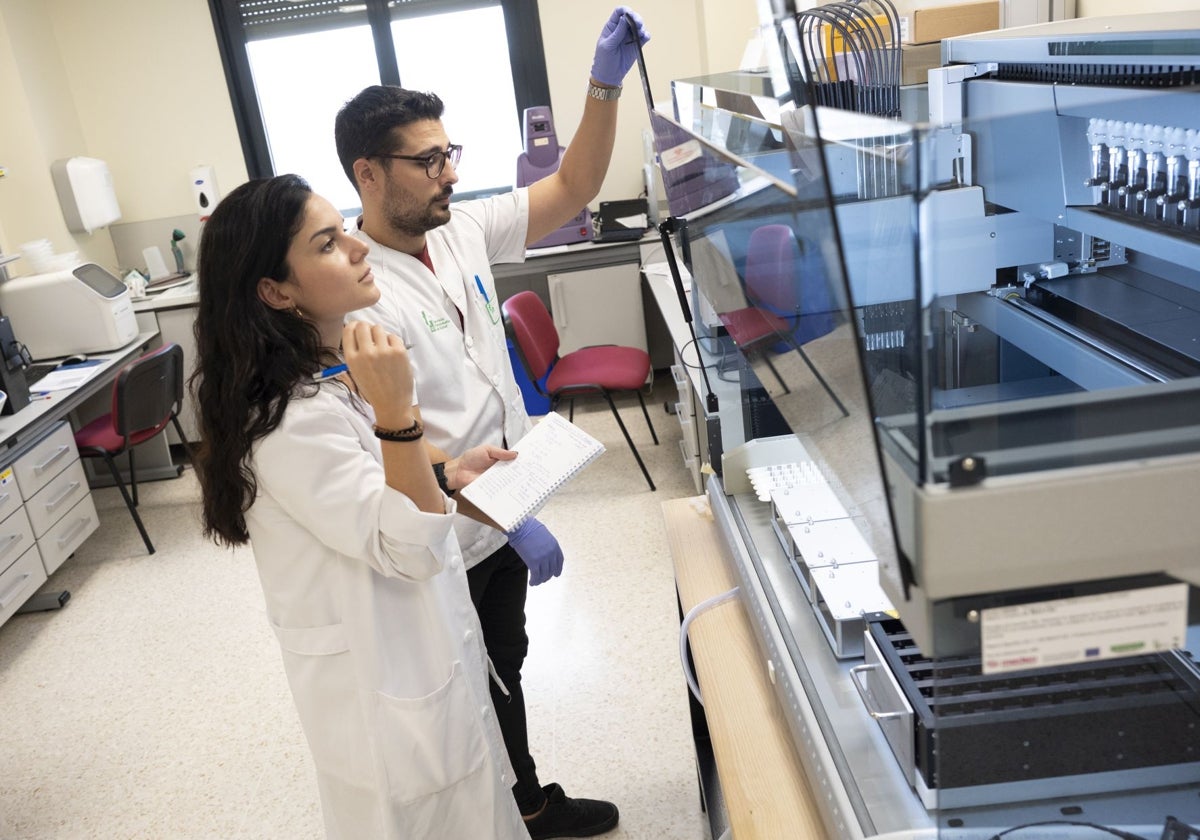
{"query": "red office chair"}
[(601, 370), (774, 274), (147, 395)]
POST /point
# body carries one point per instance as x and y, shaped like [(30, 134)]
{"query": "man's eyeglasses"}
[(434, 162)]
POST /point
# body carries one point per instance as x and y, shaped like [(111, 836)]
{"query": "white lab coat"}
[(469, 396), (381, 645)]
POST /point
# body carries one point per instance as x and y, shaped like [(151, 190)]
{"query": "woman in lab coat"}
[(333, 488)]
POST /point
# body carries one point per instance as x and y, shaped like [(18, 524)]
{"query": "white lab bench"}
[(168, 315), (46, 509), (691, 409)]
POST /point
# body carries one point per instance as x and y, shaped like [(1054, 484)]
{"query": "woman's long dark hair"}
[(250, 356)]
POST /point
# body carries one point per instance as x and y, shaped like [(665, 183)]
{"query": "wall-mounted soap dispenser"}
[(204, 190)]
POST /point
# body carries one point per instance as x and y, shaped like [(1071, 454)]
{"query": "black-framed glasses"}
[(434, 162)]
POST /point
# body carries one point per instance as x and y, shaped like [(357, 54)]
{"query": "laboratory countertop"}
[(591, 245), (695, 353), (28, 424), (764, 786), (187, 294)]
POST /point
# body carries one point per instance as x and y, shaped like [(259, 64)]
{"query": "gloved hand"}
[(616, 51), (539, 549)]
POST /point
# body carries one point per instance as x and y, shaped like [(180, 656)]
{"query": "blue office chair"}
[(147, 396)]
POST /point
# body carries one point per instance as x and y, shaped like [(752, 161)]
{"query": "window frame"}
[(522, 25)]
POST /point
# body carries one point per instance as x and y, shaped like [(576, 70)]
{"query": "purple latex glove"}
[(539, 549), (615, 51)]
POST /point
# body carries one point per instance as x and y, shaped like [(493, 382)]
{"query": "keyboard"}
[(35, 372)]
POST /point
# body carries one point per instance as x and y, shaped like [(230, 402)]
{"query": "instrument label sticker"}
[(677, 156), (1084, 629)]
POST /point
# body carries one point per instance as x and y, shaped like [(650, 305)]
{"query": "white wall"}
[(687, 38), (150, 91), (38, 125), (139, 84), (136, 83)]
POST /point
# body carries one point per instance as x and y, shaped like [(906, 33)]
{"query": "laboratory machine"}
[(541, 157), (962, 512)]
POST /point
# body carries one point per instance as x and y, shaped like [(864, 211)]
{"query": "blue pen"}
[(482, 291), (329, 373)]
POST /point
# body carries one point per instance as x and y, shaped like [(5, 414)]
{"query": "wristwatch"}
[(439, 471), (604, 94)]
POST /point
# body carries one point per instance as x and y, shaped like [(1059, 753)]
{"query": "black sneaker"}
[(567, 817)]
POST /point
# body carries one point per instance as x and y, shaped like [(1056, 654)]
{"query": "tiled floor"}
[(154, 704)]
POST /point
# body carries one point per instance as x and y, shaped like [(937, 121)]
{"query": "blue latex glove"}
[(539, 549), (615, 51)]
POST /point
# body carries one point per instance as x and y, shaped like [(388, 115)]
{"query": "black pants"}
[(498, 587)]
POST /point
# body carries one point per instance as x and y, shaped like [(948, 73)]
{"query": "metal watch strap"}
[(604, 94)]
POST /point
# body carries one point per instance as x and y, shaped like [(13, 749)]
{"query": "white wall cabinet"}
[(598, 306)]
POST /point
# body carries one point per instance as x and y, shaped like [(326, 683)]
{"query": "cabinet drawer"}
[(19, 581), (57, 544), (46, 460), (59, 495), (682, 384), (16, 536), (10, 494), (692, 464), (687, 425)]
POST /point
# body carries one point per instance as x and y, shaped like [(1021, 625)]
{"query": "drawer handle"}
[(12, 540), (62, 497), (4, 499), (863, 693), (17, 586), (58, 453), (70, 535)]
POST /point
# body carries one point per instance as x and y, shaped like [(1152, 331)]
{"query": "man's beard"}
[(418, 223)]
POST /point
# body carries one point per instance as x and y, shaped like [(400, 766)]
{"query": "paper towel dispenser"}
[(85, 191)]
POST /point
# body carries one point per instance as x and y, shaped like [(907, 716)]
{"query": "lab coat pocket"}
[(313, 641), (430, 743)]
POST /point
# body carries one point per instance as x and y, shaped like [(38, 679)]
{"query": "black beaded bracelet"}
[(439, 472), (412, 433)]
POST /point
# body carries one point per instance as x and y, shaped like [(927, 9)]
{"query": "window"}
[(291, 64)]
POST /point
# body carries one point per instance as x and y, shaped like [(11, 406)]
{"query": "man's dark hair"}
[(363, 127)]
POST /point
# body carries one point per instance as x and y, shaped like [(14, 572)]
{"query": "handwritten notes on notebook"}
[(549, 455)]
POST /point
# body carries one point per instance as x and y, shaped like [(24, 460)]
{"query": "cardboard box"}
[(916, 60), (835, 42), (933, 23)]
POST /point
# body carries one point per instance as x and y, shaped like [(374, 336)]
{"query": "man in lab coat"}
[(433, 267)]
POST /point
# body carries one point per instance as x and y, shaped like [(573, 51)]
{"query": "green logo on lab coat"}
[(434, 324)]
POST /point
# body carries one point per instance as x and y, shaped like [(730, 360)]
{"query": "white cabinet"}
[(46, 512), (19, 581), (174, 322), (598, 306), (175, 325)]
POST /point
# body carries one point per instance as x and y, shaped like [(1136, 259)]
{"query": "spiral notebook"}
[(550, 455)]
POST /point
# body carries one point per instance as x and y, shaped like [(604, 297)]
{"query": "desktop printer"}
[(80, 310)]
